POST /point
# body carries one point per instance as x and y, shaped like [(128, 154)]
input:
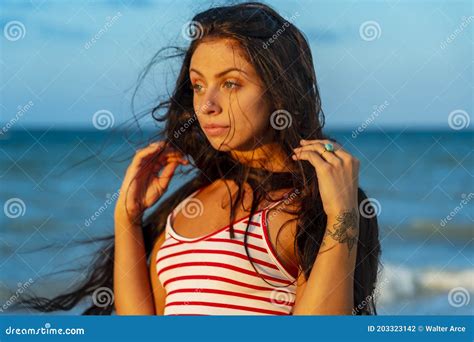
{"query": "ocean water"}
[(54, 181)]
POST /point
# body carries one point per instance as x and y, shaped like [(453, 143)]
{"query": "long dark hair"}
[(282, 58)]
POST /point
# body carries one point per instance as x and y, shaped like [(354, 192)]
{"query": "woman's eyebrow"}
[(220, 74)]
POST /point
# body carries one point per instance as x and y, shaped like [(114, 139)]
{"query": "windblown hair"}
[(285, 65)]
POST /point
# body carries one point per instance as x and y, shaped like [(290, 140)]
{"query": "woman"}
[(277, 229)]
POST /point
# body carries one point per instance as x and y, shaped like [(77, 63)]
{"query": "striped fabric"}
[(212, 275)]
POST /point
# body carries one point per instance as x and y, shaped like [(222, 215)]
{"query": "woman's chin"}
[(220, 144)]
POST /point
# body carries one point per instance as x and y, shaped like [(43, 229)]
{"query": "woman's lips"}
[(215, 130)]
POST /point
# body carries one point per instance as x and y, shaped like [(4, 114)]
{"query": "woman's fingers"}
[(314, 158), (158, 165), (317, 146), (165, 171), (145, 153), (339, 157), (159, 184), (165, 176), (338, 149), (147, 177), (148, 156), (156, 147), (329, 157)]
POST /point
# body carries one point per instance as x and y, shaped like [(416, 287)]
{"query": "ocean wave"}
[(400, 282), (425, 228)]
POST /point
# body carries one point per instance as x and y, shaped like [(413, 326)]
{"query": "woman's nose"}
[(209, 106)]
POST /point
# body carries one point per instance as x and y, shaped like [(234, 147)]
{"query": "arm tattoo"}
[(346, 228)]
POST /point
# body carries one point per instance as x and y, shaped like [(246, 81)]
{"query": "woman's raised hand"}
[(147, 179)]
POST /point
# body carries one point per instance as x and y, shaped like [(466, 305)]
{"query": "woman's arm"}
[(145, 181), (132, 288), (329, 288)]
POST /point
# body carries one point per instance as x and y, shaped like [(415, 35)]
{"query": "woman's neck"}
[(267, 156)]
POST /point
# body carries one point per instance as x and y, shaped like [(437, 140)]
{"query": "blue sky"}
[(409, 67)]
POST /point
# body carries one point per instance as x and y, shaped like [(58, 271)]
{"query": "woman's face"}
[(228, 93)]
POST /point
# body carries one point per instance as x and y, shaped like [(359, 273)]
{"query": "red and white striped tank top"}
[(212, 274)]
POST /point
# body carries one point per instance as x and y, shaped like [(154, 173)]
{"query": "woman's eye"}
[(197, 87), (231, 85)]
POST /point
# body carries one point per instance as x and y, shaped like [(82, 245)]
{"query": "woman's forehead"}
[(211, 56)]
